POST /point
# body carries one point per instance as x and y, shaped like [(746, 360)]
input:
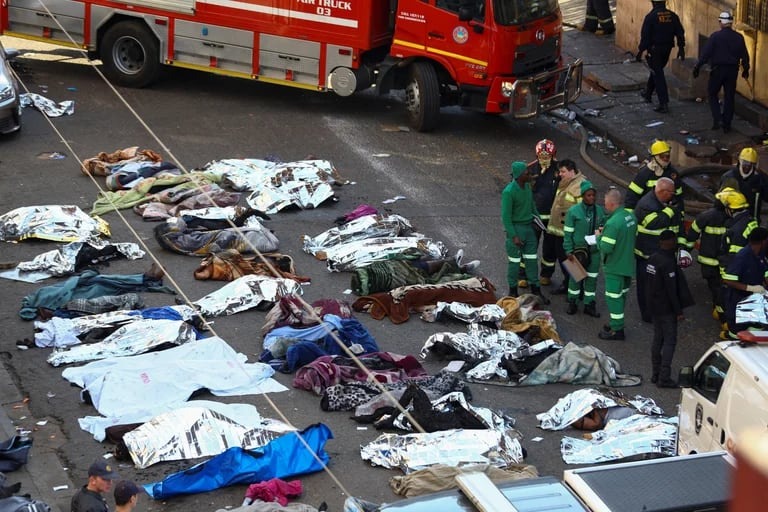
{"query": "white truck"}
[(724, 394)]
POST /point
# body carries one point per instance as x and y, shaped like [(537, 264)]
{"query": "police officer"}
[(583, 219), (545, 176), (724, 50), (658, 166), (517, 214), (616, 243), (748, 180), (661, 27), (708, 228), (667, 295), (745, 274), (655, 213)]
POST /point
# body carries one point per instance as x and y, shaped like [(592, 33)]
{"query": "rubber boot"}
[(591, 310)]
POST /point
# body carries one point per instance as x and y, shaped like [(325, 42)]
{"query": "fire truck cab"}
[(495, 56)]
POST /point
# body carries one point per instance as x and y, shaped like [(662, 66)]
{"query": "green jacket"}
[(517, 207), (581, 220), (617, 243)]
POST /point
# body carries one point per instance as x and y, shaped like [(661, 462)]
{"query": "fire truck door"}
[(464, 42)]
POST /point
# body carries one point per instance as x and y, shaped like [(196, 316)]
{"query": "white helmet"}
[(725, 18), (684, 258)]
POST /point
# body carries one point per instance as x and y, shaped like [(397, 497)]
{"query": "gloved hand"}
[(756, 288), (639, 57), (745, 74), (696, 71), (681, 53)]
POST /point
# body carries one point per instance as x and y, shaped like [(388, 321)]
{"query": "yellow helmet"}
[(732, 199), (748, 154), (660, 147)]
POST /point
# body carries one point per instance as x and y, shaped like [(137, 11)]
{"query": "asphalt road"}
[(451, 181)]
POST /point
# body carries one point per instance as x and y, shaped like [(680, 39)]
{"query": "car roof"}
[(753, 357)]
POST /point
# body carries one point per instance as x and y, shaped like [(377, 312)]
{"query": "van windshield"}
[(515, 12)]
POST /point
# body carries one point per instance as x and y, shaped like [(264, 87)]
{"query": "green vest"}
[(617, 243), (517, 207)]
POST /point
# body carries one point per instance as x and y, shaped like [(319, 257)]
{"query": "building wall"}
[(699, 19)]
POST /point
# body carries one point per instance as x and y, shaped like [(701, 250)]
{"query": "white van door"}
[(699, 429)]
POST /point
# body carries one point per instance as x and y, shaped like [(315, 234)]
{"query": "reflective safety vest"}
[(653, 217), (708, 228)]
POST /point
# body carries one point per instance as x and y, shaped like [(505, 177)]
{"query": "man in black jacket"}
[(667, 295)]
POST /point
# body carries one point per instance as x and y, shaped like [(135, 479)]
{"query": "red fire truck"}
[(495, 56)]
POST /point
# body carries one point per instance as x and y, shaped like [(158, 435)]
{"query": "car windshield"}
[(514, 12)]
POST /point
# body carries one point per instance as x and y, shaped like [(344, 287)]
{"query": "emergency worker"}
[(583, 219), (667, 296), (738, 227), (616, 243), (745, 274), (517, 214), (545, 177), (709, 228), (724, 50), (655, 213), (661, 28), (89, 498), (599, 13), (658, 166), (568, 194), (749, 180)]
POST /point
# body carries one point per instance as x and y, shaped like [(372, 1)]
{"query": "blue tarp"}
[(284, 457)]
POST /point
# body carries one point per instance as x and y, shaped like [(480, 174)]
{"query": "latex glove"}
[(745, 74), (681, 53), (696, 72), (639, 57), (756, 288)]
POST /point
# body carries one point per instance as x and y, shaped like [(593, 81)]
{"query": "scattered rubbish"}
[(684, 132), (594, 139), (390, 128), (592, 112), (691, 140), (654, 123), (362, 428), (50, 394), (42, 423), (51, 155), (390, 201), (455, 366), (107, 456), (47, 106), (537, 439), (60, 487), (381, 155), (347, 292), (632, 159), (72, 89), (699, 100), (609, 144)]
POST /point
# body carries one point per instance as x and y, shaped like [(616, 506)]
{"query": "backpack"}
[(23, 504)]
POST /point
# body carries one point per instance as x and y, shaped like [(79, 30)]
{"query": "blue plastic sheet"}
[(284, 457)]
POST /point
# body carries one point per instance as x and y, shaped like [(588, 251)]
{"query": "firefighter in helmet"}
[(545, 179), (658, 166), (749, 180), (738, 227)]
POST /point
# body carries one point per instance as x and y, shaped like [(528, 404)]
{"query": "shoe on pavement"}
[(522, 283), (459, 256), (572, 308), (545, 281), (715, 126), (611, 335), (666, 383), (472, 265), (646, 97), (663, 108), (512, 292), (606, 327), (560, 290), (591, 310), (654, 378)]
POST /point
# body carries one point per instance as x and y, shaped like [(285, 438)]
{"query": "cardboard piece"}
[(575, 270)]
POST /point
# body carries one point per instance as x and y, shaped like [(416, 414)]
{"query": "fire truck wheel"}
[(422, 97), (130, 54)]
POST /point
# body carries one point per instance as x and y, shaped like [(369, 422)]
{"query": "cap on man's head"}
[(125, 490), (725, 18), (586, 185), (666, 235), (518, 168), (758, 235), (103, 469)]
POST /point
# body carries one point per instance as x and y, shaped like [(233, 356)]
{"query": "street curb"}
[(43, 470)]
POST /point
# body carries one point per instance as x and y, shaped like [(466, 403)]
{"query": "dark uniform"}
[(667, 294), (545, 182), (661, 27), (653, 217), (86, 500), (736, 237), (645, 180), (748, 268), (599, 13), (709, 228), (724, 50), (754, 187)]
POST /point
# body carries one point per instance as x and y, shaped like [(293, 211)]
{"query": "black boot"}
[(561, 290), (611, 335), (572, 308), (663, 108), (591, 310), (535, 290), (512, 291), (646, 96)]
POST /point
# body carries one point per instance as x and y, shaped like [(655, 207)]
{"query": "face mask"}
[(544, 160), (663, 162), (746, 168)]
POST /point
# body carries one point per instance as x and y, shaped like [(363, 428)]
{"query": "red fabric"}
[(274, 490)]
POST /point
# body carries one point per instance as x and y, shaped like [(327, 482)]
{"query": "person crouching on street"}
[(745, 274), (667, 294)]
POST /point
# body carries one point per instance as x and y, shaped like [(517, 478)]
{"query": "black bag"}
[(14, 453), (584, 256)]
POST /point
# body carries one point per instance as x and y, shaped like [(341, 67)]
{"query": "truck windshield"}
[(514, 12)]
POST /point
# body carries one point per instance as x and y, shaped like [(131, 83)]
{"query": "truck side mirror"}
[(685, 377)]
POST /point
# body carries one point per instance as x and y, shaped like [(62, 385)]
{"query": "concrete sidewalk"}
[(611, 107), (43, 472)]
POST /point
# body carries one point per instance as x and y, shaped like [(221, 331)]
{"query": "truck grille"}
[(534, 58)]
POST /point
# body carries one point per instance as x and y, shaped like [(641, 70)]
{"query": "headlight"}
[(506, 88), (7, 93)]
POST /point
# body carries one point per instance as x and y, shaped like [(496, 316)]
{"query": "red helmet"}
[(546, 146)]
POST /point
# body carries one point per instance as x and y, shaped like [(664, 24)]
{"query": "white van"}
[(723, 395)]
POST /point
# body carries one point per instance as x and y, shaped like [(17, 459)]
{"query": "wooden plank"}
[(483, 493)]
